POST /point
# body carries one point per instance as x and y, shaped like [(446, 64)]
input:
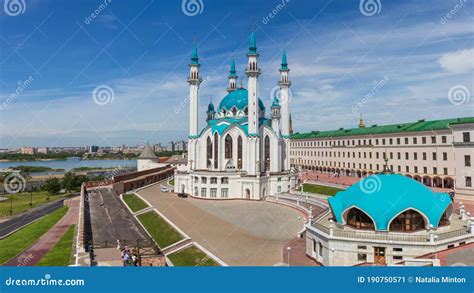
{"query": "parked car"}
[(182, 194), (164, 189)]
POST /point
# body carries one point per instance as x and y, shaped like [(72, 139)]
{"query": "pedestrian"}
[(135, 260), (125, 258)]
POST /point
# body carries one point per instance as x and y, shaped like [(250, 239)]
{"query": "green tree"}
[(52, 185)]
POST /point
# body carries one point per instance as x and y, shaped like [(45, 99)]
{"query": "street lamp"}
[(288, 249)]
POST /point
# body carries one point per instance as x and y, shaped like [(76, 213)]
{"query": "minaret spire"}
[(194, 81), (253, 71), (232, 86)]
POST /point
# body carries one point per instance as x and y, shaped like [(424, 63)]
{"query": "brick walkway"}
[(297, 253), (33, 255)]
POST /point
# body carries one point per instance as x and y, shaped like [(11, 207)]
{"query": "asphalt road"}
[(27, 217)]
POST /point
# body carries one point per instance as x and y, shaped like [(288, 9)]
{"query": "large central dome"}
[(237, 99)]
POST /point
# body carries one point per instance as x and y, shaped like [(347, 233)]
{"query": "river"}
[(72, 163)]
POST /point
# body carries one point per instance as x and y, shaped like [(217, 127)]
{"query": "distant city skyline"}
[(406, 61)]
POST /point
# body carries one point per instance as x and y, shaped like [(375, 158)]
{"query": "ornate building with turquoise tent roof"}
[(387, 219), (241, 152)]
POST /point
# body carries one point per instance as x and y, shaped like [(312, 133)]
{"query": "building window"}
[(362, 257), (416, 169), (409, 220), (213, 180), (213, 192), (216, 151), (239, 152), (445, 156), (203, 192), (467, 161), (398, 249), (398, 257), (415, 156), (468, 181), (400, 168), (435, 170), (398, 140), (383, 141), (445, 171), (209, 152), (203, 179), (196, 179), (406, 140), (433, 139), (279, 189), (320, 249), (407, 169), (267, 153), (407, 156), (434, 156), (423, 140), (363, 247), (225, 180), (224, 192), (228, 147), (424, 156), (466, 137), (360, 220), (399, 156), (414, 140), (443, 139), (425, 170)]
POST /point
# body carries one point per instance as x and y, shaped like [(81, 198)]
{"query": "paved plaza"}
[(241, 233)]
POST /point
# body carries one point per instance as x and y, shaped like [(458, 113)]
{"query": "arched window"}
[(216, 151), (239, 152), (408, 221), (246, 111), (209, 152), (228, 147), (359, 220), (234, 111), (267, 153)]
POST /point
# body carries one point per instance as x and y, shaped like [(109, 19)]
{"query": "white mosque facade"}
[(241, 152)]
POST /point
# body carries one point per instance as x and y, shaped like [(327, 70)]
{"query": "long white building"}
[(437, 153), (241, 152)]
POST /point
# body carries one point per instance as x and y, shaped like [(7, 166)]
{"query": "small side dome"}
[(385, 197), (210, 107)]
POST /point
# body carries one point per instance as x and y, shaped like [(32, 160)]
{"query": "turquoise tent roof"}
[(276, 102), (220, 125), (194, 55), (210, 107), (253, 44), (238, 99), (284, 62), (232, 72), (382, 197)]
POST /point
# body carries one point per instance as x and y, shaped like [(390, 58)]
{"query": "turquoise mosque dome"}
[(384, 196), (237, 99)]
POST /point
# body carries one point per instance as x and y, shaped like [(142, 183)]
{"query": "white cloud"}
[(458, 62)]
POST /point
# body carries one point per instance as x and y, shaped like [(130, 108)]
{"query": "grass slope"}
[(134, 202), (21, 201), (321, 189), (191, 257), (60, 254), (17, 242), (163, 233)]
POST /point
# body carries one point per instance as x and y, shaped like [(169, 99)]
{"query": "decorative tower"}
[(284, 84), (361, 122), (211, 113), (194, 81), (232, 78), (291, 125), (276, 115), (252, 71)]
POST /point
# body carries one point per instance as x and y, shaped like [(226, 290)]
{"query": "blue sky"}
[(396, 65)]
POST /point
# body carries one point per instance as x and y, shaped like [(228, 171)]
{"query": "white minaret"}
[(232, 77), (285, 96), (276, 116), (194, 81), (254, 165)]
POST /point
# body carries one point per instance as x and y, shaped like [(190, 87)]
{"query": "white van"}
[(164, 189)]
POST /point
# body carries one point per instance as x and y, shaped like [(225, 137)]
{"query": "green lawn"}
[(320, 189), (134, 202), (60, 254), (171, 182), (17, 242), (191, 257), (21, 201), (163, 233)]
